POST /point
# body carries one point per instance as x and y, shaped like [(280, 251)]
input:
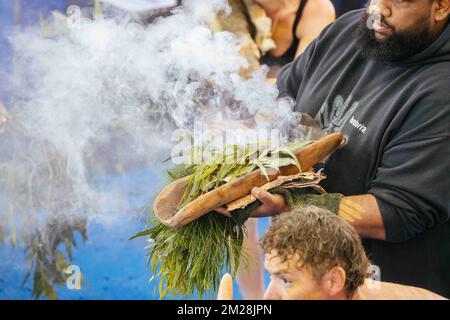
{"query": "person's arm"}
[(412, 181), (361, 211), (410, 190), (411, 187), (316, 16), (364, 214), (291, 75), (408, 196)]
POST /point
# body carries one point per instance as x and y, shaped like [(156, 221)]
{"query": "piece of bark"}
[(296, 181)]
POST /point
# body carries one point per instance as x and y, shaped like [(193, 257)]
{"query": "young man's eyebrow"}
[(277, 273)]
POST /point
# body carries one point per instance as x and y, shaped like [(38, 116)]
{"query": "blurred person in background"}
[(295, 24)]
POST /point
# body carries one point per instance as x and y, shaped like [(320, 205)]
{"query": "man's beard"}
[(395, 47)]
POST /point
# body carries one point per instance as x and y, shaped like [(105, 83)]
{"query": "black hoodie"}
[(396, 119)]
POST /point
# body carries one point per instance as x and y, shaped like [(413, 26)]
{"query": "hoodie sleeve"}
[(412, 183)]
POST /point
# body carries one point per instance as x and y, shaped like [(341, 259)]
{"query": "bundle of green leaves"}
[(191, 259)]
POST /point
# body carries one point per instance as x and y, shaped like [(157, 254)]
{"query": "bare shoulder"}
[(376, 290), (319, 7), (316, 16)]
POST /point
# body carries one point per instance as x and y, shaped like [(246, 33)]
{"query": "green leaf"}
[(141, 234)]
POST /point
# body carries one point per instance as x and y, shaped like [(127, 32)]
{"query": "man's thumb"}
[(225, 288), (260, 194)]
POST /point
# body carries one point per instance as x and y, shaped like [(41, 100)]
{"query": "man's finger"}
[(261, 212), (225, 291), (262, 195)]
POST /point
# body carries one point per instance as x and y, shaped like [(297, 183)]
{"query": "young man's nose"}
[(272, 292)]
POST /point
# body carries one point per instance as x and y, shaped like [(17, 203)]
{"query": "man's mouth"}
[(382, 30)]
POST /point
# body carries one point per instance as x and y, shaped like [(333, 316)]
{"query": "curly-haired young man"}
[(311, 253)]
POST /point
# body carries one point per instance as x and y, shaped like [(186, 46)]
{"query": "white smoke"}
[(140, 5), (111, 89)]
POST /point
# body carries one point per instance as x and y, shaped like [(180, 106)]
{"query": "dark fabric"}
[(289, 55), (395, 118)]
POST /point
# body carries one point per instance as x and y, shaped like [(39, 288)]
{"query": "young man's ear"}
[(442, 9), (334, 282)]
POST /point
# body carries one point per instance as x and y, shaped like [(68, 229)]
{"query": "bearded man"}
[(381, 76)]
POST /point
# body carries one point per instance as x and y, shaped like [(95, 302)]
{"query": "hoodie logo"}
[(333, 116), (358, 125)]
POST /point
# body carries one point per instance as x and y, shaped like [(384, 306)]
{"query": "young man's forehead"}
[(275, 264)]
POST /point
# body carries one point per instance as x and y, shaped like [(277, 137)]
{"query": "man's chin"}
[(380, 36)]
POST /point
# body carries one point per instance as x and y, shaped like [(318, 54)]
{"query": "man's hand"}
[(3, 117), (272, 204)]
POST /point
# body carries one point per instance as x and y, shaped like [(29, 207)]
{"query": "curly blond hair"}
[(322, 240)]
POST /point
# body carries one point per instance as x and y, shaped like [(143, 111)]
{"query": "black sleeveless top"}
[(289, 55)]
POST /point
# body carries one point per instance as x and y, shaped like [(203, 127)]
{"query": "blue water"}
[(112, 266)]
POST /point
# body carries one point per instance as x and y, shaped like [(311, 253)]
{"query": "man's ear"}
[(442, 9), (334, 282)]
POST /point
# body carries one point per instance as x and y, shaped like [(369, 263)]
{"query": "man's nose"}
[(272, 292), (383, 7)]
